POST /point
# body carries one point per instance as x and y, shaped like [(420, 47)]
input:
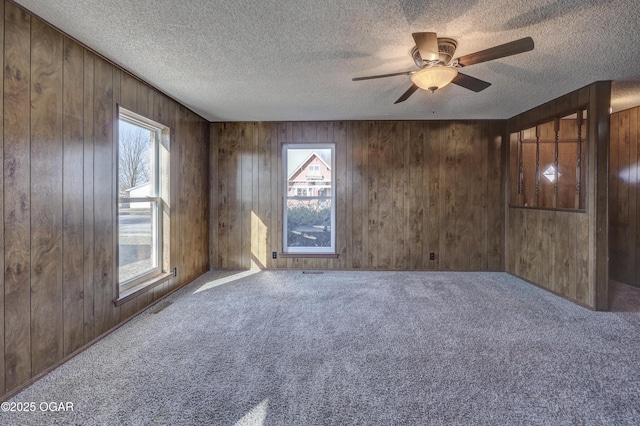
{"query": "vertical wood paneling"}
[(434, 140), (247, 154), (273, 230), (57, 210), (449, 250), (398, 197), (88, 197), (622, 181), (357, 189), (128, 91), (364, 196), (477, 249), (614, 173), (484, 249), (415, 198), (180, 130), (340, 137), (222, 257), (256, 260), (373, 204), (512, 238), (2, 288), (496, 211), (389, 184), (633, 183), (348, 189), (200, 203), (623, 197), (597, 175), (214, 143), (562, 254), (17, 197), (104, 201), (46, 197), (543, 247), (574, 262), (523, 238), (234, 201), (406, 188), (265, 242), (582, 271), (72, 196)]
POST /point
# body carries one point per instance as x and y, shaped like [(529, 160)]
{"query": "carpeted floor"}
[(283, 347)]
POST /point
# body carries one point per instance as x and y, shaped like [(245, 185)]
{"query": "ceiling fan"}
[(433, 56)]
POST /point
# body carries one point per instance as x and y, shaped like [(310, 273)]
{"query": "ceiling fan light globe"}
[(433, 78)]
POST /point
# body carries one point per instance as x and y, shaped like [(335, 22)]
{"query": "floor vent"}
[(313, 272)]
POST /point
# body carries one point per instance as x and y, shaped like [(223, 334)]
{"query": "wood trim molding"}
[(141, 288)]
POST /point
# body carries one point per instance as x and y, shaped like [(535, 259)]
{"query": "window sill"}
[(310, 255), (144, 286)]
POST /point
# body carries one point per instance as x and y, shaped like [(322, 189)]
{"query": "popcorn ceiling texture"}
[(242, 60)]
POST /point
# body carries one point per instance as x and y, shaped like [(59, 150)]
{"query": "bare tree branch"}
[(134, 158)]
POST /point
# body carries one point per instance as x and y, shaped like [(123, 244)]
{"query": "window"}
[(314, 171), (143, 189), (547, 164), (309, 219)]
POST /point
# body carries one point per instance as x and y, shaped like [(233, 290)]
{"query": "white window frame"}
[(308, 250), (155, 199)]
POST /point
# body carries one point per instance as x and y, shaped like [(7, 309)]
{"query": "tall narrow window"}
[(143, 184), (309, 204)]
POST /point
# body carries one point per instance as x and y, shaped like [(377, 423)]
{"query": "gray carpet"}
[(283, 347)]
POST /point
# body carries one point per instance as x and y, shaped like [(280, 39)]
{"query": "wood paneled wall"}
[(624, 187), (57, 209), (566, 251), (404, 189)]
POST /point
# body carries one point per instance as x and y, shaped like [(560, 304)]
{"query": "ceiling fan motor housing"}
[(446, 49)]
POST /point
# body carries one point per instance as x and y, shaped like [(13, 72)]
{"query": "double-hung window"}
[(309, 205), (143, 185)]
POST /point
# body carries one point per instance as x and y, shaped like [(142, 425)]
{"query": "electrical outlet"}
[(175, 272), (432, 256), (274, 254)]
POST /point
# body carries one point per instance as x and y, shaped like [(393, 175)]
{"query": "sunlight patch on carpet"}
[(256, 416), (225, 280)]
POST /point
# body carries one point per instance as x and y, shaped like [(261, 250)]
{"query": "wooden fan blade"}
[(406, 94), (427, 44), (502, 51), (371, 77), (470, 83)]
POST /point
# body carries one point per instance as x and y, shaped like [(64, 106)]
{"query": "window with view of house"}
[(309, 205), (143, 190)]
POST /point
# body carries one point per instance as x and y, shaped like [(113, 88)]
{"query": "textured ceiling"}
[(246, 60)]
